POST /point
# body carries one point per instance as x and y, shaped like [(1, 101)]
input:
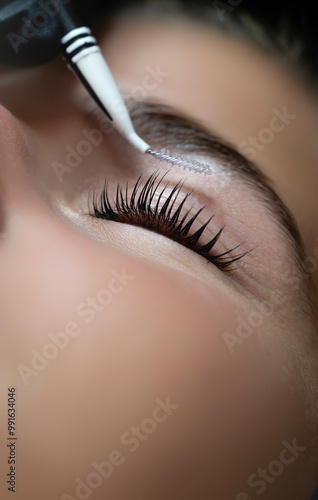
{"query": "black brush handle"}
[(31, 30)]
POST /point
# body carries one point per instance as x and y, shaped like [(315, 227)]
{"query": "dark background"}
[(297, 19)]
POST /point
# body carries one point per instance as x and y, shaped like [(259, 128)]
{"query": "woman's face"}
[(144, 368)]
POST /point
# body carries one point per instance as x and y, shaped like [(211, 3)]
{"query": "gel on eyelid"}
[(181, 161)]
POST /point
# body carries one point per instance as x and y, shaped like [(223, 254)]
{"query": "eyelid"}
[(165, 217), (160, 124)]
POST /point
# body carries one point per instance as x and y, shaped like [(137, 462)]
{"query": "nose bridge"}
[(34, 243), (15, 162), (23, 214), (14, 150)]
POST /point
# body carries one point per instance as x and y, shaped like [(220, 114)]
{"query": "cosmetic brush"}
[(88, 63), (85, 58), (180, 161), (62, 31)]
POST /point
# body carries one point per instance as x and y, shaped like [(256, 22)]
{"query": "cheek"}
[(94, 339), (144, 333)]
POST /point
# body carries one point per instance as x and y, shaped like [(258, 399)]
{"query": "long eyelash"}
[(138, 210)]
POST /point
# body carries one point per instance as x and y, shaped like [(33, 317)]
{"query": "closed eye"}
[(148, 206)]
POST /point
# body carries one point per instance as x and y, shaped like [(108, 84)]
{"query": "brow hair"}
[(161, 124)]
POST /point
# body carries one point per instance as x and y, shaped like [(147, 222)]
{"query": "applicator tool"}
[(36, 31), (181, 162)]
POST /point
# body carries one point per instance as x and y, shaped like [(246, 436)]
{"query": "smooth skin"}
[(159, 330)]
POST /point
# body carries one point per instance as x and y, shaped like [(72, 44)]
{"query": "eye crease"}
[(162, 124), (148, 207)]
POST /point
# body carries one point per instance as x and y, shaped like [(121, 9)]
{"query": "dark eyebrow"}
[(164, 125)]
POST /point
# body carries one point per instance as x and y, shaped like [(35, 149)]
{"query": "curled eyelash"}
[(141, 209)]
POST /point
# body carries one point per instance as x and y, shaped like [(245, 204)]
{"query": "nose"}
[(18, 167), (37, 265), (15, 154), (18, 196)]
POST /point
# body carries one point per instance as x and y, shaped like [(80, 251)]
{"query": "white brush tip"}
[(138, 142)]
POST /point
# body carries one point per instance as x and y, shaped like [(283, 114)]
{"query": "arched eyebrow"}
[(161, 124)]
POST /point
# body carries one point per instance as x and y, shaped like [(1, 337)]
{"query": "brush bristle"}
[(181, 162)]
